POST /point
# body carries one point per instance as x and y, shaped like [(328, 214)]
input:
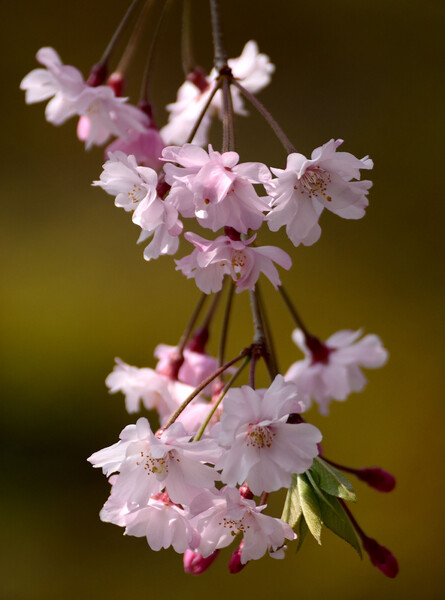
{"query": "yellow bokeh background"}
[(77, 293)]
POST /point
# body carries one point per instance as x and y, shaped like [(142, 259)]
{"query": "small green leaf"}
[(335, 518), (292, 506), (310, 506), (332, 481), (302, 531)]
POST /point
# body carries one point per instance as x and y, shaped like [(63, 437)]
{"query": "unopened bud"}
[(235, 564), (377, 478), (98, 75), (195, 563), (116, 82), (245, 492), (381, 557), (199, 340)]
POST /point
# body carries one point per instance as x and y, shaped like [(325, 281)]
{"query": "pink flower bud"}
[(381, 557), (377, 478), (245, 492), (235, 564), (98, 75), (116, 82), (195, 563)]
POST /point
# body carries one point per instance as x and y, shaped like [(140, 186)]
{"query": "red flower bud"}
[(195, 563), (381, 557), (235, 564), (377, 478)]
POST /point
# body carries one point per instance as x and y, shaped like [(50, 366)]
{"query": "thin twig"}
[(145, 96), (220, 53), (133, 42), (293, 311), (225, 325), (113, 42), (223, 393), (204, 384), (218, 84), (289, 147), (191, 324), (188, 60)]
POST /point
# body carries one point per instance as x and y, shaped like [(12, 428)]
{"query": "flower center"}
[(238, 259), (315, 183), (260, 437), (136, 193), (154, 466)]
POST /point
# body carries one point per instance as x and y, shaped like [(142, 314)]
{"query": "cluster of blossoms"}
[(202, 478)]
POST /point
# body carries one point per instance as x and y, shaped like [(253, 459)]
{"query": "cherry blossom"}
[(331, 370), (215, 188), (307, 186), (222, 514), (62, 83), (148, 464), (211, 260), (155, 391), (130, 183), (195, 367), (136, 189), (261, 447), (252, 69), (102, 114), (146, 146)]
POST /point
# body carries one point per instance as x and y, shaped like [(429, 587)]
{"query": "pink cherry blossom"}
[(62, 83), (130, 183), (146, 146), (307, 186), (261, 447), (196, 367), (252, 69), (148, 464), (331, 370), (155, 391), (215, 188), (161, 521), (210, 261), (102, 114), (222, 514), (164, 524), (136, 189)]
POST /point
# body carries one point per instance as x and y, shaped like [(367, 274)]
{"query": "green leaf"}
[(335, 518), (332, 481), (310, 506), (292, 507), (302, 531)]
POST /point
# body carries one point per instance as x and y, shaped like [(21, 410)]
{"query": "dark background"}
[(77, 293)]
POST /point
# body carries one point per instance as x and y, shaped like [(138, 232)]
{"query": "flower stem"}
[(191, 324), (225, 325), (134, 40), (117, 34), (145, 96), (289, 147), (293, 311), (217, 85), (204, 384), (220, 53), (188, 60), (228, 116), (226, 388), (267, 330), (259, 338)]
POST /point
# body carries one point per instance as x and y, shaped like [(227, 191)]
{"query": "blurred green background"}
[(77, 293)]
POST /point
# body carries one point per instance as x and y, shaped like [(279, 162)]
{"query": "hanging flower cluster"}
[(202, 479)]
